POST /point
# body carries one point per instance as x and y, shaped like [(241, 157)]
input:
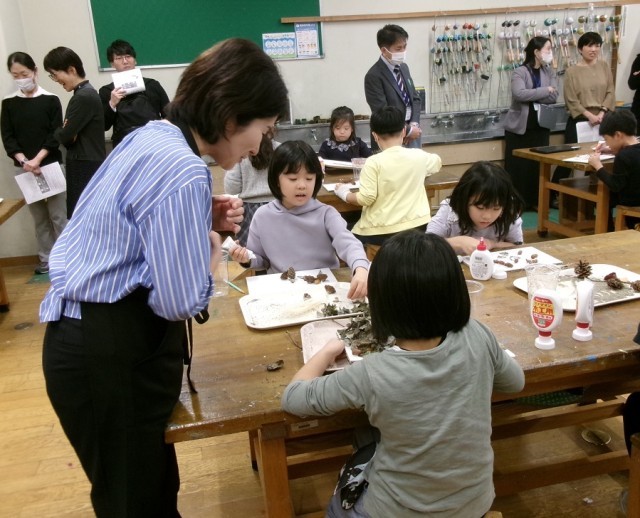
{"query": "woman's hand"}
[(228, 213), (216, 251), (594, 120), (358, 286)]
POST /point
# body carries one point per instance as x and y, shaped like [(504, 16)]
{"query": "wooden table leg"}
[(543, 198), (602, 209), (272, 465), (4, 296)]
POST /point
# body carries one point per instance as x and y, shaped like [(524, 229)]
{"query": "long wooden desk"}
[(599, 195), (237, 393), (7, 209)]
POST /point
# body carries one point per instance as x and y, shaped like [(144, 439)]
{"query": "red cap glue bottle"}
[(584, 311), (481, 262), (546, 314)]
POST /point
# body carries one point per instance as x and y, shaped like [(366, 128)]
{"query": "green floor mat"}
[(530, 219), (39, 279)]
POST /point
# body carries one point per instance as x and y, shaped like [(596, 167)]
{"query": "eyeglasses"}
[(53, 77), (124, 57)]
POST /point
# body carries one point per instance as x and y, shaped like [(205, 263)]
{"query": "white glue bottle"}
[(481, 262), (546, 314), (584, 311)]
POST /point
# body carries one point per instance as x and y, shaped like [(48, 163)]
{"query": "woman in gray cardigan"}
[(532, 84)]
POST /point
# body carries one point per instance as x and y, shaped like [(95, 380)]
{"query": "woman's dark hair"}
[(288, 158), (535, 43), (416, 288), (61, 58), (120, 48), (342, 114), (388, 120), (620, 120), (22, 58), (234, 81), (389, 34), (262, 159), (589, 38), (486, 184)]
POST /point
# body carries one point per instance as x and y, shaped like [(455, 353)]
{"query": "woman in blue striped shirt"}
[(135, 262)]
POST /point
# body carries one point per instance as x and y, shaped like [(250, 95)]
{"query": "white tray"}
[(289, 308), (315, 334), (337, 164), (602, 294), (519, 258), (273, 282), (332, 186)]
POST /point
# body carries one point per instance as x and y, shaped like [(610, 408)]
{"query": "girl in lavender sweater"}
[(296, 230)]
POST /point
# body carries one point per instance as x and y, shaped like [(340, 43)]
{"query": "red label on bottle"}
[(542, 312)]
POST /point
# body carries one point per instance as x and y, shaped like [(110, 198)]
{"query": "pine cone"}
[(291, 274), (582, 269), (615, 283), (635, 285)]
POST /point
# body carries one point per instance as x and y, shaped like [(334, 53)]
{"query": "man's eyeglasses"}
[(124, 57)]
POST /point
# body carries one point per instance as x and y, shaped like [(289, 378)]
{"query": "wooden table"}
[(236, 393), (436, 182), (599, 194), (7, 209)]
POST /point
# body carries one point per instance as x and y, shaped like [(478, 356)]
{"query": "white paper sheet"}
[(38, 187), (332, 186), (584, 159), (587, 133), (130, 81)]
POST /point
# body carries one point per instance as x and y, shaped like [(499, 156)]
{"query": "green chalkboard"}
[(174, 32)]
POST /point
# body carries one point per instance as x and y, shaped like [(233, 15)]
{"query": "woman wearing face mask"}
[(29, 117), (532, 84)]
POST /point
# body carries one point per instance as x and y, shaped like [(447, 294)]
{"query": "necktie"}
[(400, 81)]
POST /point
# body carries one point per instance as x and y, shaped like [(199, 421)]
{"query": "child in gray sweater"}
[(296, 230), (429, 395)]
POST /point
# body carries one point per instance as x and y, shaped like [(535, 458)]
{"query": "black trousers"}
[(113, 379), (631, 418), (79, 172), (570, 137)]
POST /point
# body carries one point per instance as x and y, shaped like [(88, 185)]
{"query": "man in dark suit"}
[(388, 83)]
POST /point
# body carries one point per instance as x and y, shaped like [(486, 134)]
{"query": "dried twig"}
[(293, 341)]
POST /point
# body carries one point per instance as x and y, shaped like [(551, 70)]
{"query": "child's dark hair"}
[(61, 59), (387, 121), (416, 288), (342, 114), (486, 184), (620, 120), (288, 158), (262, 159)]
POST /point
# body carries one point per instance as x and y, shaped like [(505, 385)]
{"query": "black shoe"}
[(41, 269)]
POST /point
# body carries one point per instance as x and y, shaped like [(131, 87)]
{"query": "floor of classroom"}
[(40, 475)]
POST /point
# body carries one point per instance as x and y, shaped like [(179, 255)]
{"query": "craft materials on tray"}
[(608, 289), (273, 283), (518, 258)]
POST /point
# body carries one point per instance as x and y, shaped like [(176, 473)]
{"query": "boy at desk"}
[(619, 132)]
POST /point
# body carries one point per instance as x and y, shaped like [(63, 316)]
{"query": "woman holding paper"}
[(29, 118), (532, 85), (589, 92)]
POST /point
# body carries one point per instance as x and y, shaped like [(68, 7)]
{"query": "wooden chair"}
[(372, 250), (621, 212), (633, 502)]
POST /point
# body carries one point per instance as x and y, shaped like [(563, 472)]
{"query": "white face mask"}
[(26, 85), (546, 57), (397, 58)]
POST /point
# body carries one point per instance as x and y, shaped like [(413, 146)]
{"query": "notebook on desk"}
[(555, 149)]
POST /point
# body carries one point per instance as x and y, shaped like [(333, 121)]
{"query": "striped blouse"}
[(143, 220)]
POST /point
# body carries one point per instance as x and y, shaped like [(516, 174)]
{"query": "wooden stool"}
[(621, 212), (633, 502), (372, 250)]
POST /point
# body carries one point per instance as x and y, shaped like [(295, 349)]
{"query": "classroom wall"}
[(316, 86)]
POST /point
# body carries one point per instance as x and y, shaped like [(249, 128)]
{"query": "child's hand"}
[(602, 147), (358, 287), (342, 190), (594, 161), (333, 348), (464, 245), (239, 254)]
